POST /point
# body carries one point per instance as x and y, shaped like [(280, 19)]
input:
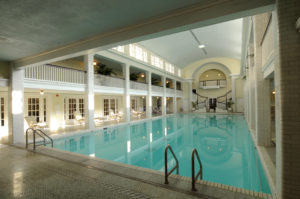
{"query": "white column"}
[(17, 105), (164, 98), (126, 70), (190, 95), (149, 96), (233, 90), (89, 103), (175, 97)]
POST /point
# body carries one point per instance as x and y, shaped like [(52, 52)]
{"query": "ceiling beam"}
[(207, 12)]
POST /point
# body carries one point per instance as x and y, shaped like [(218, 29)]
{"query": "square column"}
[(262, 88), (287, 88), (17, 106), (164, 98), (190, 82), (126, 72), (149, 96), (89, 91), (251, 88), (175, 97), (233, 90)]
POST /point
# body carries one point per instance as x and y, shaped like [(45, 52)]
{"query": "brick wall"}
[(289, 70)]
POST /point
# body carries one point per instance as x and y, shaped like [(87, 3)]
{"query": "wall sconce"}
[(42, 92), (273, 92)]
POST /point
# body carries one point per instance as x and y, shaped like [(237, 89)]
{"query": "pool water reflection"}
[(223, 142)]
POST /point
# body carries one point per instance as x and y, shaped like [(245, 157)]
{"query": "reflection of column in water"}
[(91, 144), (128, 144), (150, 138), (164, 126)]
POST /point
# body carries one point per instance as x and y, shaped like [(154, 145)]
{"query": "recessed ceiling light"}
[(201, 46)]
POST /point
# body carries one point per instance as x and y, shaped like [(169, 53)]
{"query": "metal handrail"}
[(39, 132), (166, 164), (47, 136), (200, 172), (27, 131)]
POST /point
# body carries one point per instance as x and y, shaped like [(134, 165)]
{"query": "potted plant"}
[(229, 105), (102, 69), (134, 76)]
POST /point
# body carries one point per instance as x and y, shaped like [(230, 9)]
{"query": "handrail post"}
[(193, 172), (166, 164), (34, 140), (199, 173)]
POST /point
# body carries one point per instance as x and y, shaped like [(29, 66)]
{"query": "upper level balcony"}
[(213, 84), (54, 77)]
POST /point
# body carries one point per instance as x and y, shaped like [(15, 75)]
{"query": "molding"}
[(224, 69), (235, 75), (108, 90), (204, 13), (50, 85)]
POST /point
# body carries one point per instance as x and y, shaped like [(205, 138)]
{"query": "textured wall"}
[(289, 93)]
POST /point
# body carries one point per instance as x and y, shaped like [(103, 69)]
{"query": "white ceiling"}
[(181, 49)]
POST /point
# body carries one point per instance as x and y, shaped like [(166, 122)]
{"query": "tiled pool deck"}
[(50, 173)]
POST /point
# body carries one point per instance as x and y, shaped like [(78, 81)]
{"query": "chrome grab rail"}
[(39, 132), (27, 131), (200, 172), (166, 164), (47, 136)]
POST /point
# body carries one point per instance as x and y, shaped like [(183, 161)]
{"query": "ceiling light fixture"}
[(201, 46), (94, 63)]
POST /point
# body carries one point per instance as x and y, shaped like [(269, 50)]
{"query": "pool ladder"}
[(40, 133), (194, 178), (166, 164)]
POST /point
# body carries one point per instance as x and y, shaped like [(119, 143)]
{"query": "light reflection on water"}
[(223, 143)]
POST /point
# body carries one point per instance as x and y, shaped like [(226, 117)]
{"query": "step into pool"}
[(223, 142)]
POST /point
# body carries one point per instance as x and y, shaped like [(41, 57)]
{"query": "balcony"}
[(213, 84), (108, 81), (52, 73)]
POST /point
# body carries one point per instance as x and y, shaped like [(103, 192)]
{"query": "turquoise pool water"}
[(223, 142)]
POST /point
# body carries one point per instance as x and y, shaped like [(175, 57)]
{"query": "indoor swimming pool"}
[(223, 142)]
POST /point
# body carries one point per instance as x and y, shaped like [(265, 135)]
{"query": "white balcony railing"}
[(157, 89), (213, 84), (170, 91), (102, 80), (55, 73), (138, 86), (179, 93)]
